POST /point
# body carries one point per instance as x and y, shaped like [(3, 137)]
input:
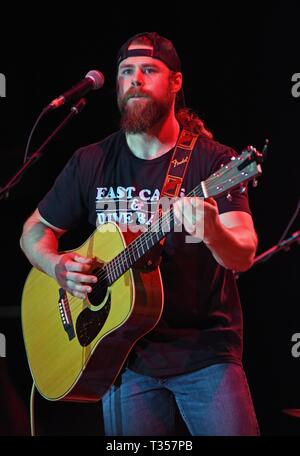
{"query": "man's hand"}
[(200, 217), (72, 273), (230, 237)]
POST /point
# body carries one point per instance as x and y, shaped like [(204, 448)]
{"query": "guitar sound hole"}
[(99, 288), (90, 322)]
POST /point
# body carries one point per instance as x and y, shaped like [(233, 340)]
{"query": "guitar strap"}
[(175, 174), (179, 164), (178, 167)]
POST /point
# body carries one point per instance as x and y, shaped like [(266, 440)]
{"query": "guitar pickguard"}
[(90, 322)]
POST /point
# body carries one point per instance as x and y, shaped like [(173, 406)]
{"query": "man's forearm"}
[(233, 248), (40, 245)]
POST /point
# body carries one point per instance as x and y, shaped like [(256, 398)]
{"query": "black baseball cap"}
[(162, 49)]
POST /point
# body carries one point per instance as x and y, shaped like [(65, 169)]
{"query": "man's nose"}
[(136, 83), (137, 79)]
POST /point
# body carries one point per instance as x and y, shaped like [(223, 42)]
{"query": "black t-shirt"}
[(201, 323)]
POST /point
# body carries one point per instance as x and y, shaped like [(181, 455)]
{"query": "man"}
[(191, 361)]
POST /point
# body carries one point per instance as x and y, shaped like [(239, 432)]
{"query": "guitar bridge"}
[(65, 313)]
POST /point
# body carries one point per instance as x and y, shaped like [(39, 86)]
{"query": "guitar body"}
[(76, 348)]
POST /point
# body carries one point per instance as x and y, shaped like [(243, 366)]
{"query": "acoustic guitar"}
[(77, 347)]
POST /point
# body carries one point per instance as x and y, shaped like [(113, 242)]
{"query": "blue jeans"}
[(212, 401)]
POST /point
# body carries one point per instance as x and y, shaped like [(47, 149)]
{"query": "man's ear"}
[(176, 81)]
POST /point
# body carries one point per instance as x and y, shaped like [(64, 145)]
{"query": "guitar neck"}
[(144, 242), (236, 173)]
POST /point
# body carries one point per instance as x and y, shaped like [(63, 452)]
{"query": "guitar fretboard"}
[(143, 243)]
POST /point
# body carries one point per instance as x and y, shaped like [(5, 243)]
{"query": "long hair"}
[(189, 120)]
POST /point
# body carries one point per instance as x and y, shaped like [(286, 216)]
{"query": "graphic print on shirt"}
[(126, 205), (129, 206)]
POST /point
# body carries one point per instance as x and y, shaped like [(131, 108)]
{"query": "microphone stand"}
[(76, 109), (283, 245)]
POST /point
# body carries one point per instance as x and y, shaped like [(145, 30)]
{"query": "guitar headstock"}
[(240, 170)]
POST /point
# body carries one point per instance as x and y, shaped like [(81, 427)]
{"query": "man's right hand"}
[(71, 271)]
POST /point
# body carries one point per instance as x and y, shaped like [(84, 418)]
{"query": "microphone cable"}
[(41, 115)]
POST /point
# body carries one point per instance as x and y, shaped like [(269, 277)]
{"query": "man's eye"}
[(126, 71), (149, 70)]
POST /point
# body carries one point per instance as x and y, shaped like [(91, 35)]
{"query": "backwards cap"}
[(162, 49)]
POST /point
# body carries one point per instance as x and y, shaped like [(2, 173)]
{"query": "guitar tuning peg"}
[(255, 183), (242, 189), (229, 197)]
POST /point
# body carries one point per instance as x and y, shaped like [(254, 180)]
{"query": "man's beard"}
[(140, 116)]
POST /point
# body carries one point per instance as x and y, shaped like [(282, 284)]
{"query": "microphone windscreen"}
[(97, 77)]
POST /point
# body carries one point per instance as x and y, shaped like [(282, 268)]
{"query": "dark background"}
[(238, 62)]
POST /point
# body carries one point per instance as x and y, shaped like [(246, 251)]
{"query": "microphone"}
[(93, 80)]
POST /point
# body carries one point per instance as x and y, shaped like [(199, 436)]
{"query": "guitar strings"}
[(136, 244), (117, 263), (140, 242), (131, 249), (134, 247), (143, 239)]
